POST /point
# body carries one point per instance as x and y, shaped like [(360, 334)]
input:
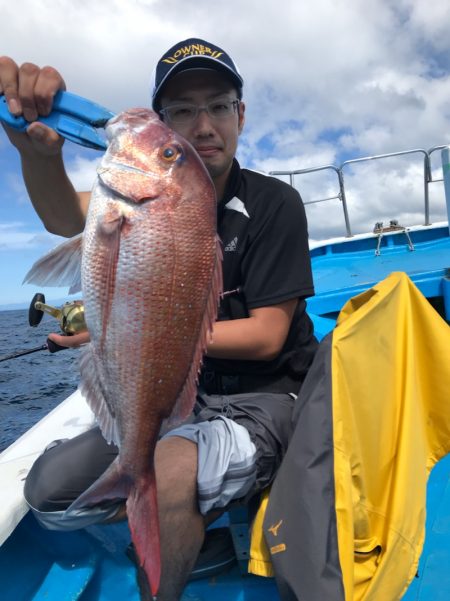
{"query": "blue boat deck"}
[(92, 565)]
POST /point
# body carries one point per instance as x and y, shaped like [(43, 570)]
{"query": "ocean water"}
[(32, 385)]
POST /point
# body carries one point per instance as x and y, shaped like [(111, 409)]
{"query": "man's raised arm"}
[(29, 91)]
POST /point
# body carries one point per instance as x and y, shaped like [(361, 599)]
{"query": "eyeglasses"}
[(187, 113)]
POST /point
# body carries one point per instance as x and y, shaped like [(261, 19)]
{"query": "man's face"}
[(214, 139)]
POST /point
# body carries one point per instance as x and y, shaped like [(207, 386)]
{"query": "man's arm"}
[(29, 91), (61, 209), (260, 336)]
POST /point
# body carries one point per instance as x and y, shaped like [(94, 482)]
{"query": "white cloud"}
[(384, 190), (15, 236), (429, 21), (358, 65), (82, 172), (105, 49), (324, 81)]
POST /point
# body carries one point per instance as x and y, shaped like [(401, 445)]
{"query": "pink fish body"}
[(151, 280)]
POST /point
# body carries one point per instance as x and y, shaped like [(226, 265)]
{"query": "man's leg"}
[(62, 473), (181, 524), (200, 469)]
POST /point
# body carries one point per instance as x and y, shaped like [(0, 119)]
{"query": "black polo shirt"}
[(262, 225)]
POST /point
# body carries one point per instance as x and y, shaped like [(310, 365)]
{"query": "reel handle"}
[(35, 315), (54, 348)]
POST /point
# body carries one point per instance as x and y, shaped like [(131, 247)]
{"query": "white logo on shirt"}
[(231, 246)]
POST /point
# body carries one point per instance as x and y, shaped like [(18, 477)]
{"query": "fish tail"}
[(142, 511), (113, 484)]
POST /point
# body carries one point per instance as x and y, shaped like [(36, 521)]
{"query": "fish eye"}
[(170, 153)]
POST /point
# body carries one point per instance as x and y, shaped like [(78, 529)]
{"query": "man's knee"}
[(66, 469), (176, 471), (42, 484)]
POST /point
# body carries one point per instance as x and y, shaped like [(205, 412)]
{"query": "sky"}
[(325, 82)]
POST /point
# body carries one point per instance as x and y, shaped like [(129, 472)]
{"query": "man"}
[(262, 343)]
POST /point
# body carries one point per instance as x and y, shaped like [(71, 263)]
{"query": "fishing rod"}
[(48, 346), (70, 317)]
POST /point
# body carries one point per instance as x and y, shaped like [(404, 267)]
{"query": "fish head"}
[(147, 160)]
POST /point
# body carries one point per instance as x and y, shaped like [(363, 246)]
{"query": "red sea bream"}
[(151, 279)]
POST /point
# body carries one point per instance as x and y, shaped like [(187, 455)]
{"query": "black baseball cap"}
[(193, 53)]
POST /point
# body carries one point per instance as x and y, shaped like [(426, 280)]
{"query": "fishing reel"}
[(70, 315)]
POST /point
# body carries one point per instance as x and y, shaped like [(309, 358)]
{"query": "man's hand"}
[(29, 91), (71, 341)]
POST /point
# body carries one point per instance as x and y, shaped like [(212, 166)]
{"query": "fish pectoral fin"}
[(60, 267), (92, 386), (109, 230), (130, 184)]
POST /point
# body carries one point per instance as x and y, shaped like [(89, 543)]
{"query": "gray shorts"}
[(226, 461), (241, 441)]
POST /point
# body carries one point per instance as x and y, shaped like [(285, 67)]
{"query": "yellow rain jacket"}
[(345, 518)]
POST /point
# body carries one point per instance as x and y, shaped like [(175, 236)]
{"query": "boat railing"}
[(339, 170)]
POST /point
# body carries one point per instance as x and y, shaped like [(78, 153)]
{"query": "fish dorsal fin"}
[(186, 399), (92, 386), (59, 267)]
